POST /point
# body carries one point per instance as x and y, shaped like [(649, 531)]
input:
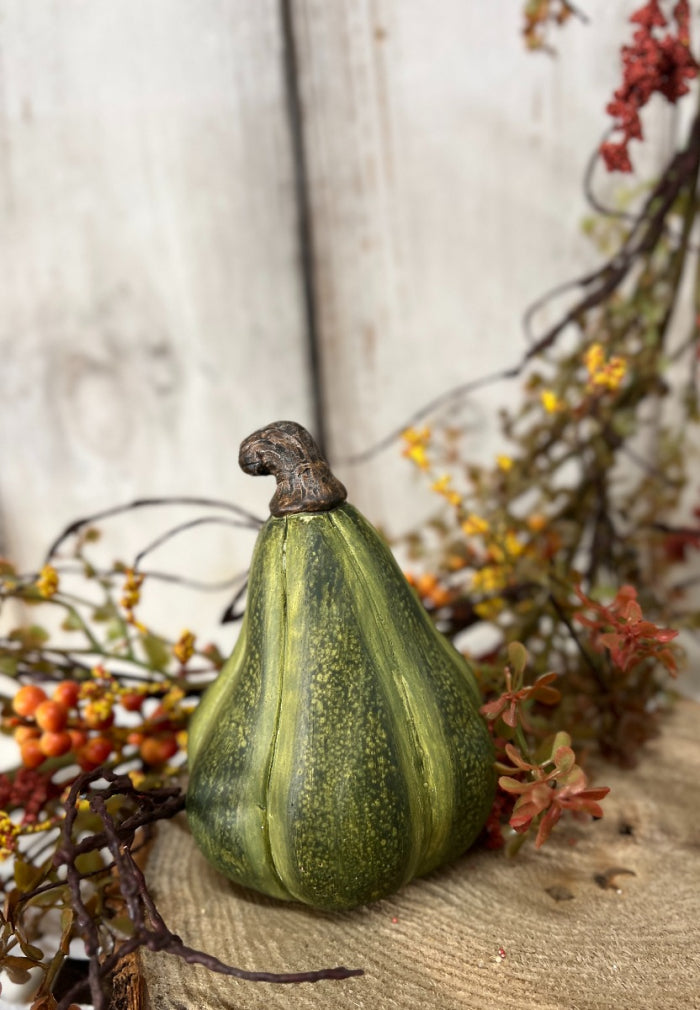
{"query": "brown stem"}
[(304, 480)]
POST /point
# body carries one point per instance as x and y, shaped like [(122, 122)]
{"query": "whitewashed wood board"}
[(445, 166), (151, 309), (152, 297)]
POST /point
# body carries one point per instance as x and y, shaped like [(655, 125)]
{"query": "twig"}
[(150, 930)]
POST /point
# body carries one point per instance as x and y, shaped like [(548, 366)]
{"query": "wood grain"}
[(606, 916), (151, 313), (445, 166), (152, 310)]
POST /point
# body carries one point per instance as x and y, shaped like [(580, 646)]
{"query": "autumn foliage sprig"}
[(542, 780), (655, 62), (540, 16), (588, 495)]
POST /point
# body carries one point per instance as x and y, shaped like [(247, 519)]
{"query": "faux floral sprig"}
[(542, 780), (548, 789), (655, 62)]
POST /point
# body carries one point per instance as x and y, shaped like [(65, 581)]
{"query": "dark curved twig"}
[(150, 930), (151, 574), (597, 286), (183, 528), (78, 524)]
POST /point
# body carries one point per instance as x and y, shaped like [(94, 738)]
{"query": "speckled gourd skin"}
[(340, 752)]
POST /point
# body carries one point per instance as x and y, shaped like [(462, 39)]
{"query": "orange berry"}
[(425, 584), (51, 716), (135, 738), (94, 753), (78, 738), (66, 693), (55, 744), (156, 750), (440, 596), (32, 754), (132, 701), (455, 562), (24, 733), (27, 699), (161, 720)]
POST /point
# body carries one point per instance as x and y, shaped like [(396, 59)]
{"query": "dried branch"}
[(118, 836)]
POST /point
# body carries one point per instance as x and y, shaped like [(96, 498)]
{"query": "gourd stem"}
[(304, 479)]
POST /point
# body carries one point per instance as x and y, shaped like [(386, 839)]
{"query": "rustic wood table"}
[(605, 917)]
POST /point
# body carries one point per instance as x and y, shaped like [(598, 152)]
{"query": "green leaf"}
[(32, 636), (511, 785), (27, 875), (30, 950), (72, 622), (157, 651), (8, 665), (115, 630), (17, 968), (67, 916), (105, 612), (561, 739), (564, 759), (89, 862), (517, 658), (123, 925)]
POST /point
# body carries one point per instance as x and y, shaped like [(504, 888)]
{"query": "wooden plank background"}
[(219, 214)]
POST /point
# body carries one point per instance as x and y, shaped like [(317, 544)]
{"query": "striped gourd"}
[(340, 752)]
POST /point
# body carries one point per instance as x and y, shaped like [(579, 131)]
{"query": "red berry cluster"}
[(27, 790), (650, 64)]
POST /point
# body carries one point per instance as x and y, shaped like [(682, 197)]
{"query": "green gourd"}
[(340, 752)]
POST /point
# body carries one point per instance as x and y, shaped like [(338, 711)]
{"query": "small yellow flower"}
[(550, 401), (442, 486), (417, 455), (475, 526), (594, 358), (415, 437), (184, 647), (416, 444), (8, 835), (47, 583), (488, 610), (514, 548), (137, 779), (602, 374), (173, 698), (505, 463), (489, 579), (32, 829), (614, 373)]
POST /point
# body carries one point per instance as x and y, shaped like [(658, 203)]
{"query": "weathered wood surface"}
[(569, 942), (445, 168), (151, 311), (152, 306)]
